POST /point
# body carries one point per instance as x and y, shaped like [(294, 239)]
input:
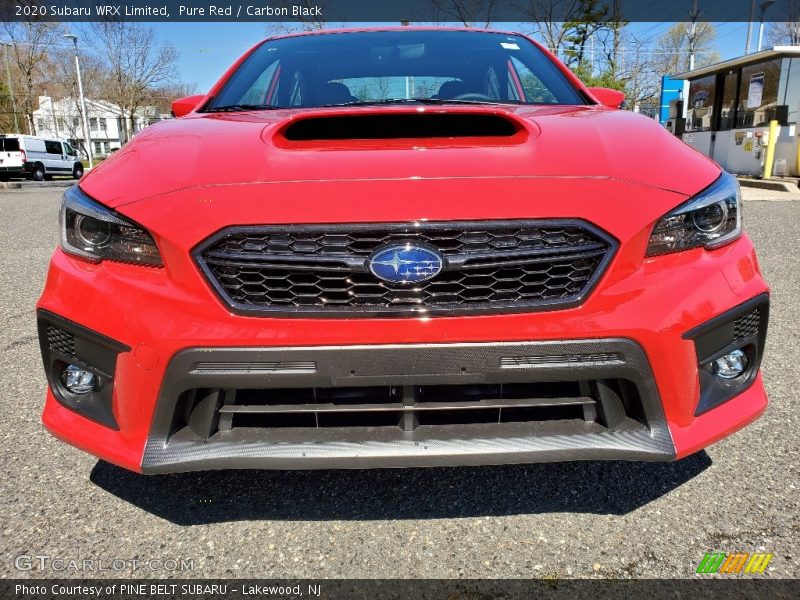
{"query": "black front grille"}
[(323, 269), (60, 341), (746, 326), (451, 238)]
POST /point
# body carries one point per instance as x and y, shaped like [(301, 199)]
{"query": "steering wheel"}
[(473, 96)]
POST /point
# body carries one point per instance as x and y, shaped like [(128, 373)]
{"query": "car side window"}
[(52, 147), (68, 149)]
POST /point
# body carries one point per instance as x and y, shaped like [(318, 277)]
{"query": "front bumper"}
[(424, 425), (165, 327)]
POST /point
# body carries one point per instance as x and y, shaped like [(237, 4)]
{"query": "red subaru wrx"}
[(401, 247)]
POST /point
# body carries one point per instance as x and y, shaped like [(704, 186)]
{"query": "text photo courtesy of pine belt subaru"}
[(396, 248)]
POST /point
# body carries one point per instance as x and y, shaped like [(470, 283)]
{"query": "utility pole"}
[(764, 6), (693, 34), (750, 26), (11, 90), (74, 39)]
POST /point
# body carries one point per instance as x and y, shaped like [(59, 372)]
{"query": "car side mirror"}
[(183, 106), (608, 97)]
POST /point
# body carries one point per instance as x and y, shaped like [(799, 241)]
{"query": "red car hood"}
[(224, 149)]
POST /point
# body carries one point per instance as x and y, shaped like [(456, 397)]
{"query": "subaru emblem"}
[(405, 263)]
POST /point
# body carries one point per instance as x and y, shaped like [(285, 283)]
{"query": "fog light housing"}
[(76, 380), (731, 365), (729, 349)]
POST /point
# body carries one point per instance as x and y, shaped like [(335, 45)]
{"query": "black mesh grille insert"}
[(746, 326), (323, 269), (60, 341)]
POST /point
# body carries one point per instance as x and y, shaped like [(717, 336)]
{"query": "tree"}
[(588, 20), (135, 65), (6, 107), (61, 82), (551, 20), (786, 32), (59, 72), (673, 48), (642, 80), (470, 13), (611, 37), (161, 98), (31, 42), (303, 23)]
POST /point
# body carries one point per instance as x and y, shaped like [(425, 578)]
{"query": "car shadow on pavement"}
[(432, 493)]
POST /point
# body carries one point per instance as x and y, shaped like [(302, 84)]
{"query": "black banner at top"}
[(336, 12)]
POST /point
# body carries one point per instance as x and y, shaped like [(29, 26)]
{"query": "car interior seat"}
[(335, 93), (451, 89)]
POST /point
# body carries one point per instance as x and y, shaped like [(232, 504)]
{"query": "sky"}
[(208, 49)]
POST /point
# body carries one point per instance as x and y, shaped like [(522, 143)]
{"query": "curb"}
[(770, 184), (33, 185)]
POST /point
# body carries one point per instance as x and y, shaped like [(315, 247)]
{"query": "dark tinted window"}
[(9, 144), (52, 147), (758, 93), (343, 68), (700, 111)]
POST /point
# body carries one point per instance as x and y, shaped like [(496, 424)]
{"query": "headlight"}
[(710, 219), (92, 231)]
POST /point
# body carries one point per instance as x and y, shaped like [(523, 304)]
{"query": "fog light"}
[(77, 380), (732, 365)]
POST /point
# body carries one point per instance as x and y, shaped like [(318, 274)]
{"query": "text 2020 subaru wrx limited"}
[(392, 248)]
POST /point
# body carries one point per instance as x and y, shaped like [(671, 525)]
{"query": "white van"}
[(12, 159), (41, 157)]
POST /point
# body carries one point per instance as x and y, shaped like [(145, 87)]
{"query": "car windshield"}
[(374, 67)]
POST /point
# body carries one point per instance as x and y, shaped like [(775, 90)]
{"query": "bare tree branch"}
[(787, 32), (470, 13), (136, 65), (549, 19), (31, 41)]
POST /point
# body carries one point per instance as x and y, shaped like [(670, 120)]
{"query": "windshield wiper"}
[(412, 101), (459, 101), (241, 107)]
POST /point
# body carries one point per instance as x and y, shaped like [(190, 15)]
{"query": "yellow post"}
[(770, 158), (797, 141)]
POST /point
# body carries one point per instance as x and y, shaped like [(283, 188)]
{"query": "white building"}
[(61, 119), (730, 105)]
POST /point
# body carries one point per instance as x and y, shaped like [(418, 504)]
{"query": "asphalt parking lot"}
[(553, 520)]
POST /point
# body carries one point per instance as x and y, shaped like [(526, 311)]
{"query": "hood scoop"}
[(404, 128)]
